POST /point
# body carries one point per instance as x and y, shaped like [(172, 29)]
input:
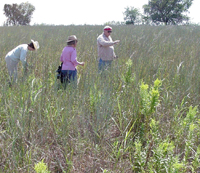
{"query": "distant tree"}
[(18, 14), (131, 15), (167, 11)]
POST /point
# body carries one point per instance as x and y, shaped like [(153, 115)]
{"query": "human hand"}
[(82, 63), (116, 42)]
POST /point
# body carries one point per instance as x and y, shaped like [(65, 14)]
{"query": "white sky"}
[(80, 12)]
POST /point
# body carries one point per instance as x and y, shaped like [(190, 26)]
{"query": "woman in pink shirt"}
[(69, 59)]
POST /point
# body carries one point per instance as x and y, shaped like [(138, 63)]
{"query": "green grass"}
[(143, 117)]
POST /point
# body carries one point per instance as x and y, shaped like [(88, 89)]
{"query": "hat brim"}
[(71, 38), (69, 41), (35, 44), (108, 29)]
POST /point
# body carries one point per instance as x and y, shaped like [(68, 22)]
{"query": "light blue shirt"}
[(19, 54)]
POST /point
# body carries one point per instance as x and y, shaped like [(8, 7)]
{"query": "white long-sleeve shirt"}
[(105, 48), (19, 54)]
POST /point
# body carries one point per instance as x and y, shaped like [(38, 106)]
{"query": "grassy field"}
[(142, 117)]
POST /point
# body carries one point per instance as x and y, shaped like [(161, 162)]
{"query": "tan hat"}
[(72, 38), (35, 44)]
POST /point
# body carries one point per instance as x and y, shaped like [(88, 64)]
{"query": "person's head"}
[(107, 31), (34, 45), (72, 41)]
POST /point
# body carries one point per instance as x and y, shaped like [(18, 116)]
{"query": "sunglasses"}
[(109, 31)]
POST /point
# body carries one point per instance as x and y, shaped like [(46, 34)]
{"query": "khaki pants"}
[(12, 69)]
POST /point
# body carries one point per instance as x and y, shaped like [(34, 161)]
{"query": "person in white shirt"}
[(105, 45), (19, 54)]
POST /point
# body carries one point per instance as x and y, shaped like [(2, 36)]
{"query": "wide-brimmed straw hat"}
[(72, 38), (35, 44)]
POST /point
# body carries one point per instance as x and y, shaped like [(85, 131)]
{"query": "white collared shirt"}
[(105, 48), (19, 54)]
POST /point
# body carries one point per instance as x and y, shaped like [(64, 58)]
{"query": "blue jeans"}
[(69, 76), (103, 65)]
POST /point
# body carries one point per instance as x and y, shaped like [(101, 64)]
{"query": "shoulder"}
[(100, 36), (69, 48), (72, 49), (23, 46), (66, 49)]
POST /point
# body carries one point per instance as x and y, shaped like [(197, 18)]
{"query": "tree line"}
[(158, 12), (167, 12)]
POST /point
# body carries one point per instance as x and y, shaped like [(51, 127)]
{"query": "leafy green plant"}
[(41, 167), (139, 157), (149, 100), (129, 76)]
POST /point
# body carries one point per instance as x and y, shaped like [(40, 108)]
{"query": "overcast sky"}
[(82, 12)]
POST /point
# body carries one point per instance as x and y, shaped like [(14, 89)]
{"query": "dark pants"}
[(69, 76), (104, 65)]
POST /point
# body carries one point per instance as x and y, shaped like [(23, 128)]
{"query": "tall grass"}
[(141, 117)]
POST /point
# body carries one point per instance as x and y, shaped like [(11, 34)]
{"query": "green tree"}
[(132, 15), (18, 14), (167, 11)]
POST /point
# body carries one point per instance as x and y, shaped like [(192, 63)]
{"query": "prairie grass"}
[(142, 116)]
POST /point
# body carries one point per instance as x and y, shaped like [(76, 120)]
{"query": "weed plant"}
[(139, 116)]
